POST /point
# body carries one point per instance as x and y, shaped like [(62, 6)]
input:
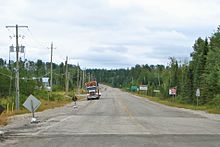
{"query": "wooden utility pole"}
[(158, 76), (83, 78), (66, 77), (78, 78), (51, 68), (89, 76), (17, 100)]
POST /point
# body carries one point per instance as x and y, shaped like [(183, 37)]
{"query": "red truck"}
[(92, 90)]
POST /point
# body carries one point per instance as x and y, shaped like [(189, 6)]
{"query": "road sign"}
[(48, 88), (198, 92), (32, 103), (156, 91), (172, 91), (197, 96), (134, 88), (45, 79), (1, 109), (143, 87)]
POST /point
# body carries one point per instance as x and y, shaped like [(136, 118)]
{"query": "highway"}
[(116, 119)]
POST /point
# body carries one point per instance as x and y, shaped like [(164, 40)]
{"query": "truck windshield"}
[(91, 88)]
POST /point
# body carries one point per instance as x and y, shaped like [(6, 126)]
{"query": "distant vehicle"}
[(92, 90)]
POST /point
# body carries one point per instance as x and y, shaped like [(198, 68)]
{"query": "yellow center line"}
[(130, 115)]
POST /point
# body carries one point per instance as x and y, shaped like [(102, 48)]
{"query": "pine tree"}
[(212, 73)]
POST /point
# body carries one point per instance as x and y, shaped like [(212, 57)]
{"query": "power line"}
[(35, 39)]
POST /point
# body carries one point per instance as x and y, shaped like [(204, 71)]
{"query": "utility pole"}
[(66, 77), (78, 78), (17, 100), (158, 76), (89, 76), (83, 78), (51, 68)]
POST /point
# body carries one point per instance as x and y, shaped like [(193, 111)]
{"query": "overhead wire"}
[(42, 44)]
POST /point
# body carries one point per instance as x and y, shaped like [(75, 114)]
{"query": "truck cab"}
[(92, 90)]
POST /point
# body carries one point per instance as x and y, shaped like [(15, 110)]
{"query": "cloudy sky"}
[(107, 33)]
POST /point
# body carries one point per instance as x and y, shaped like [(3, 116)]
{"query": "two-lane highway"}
[(119, 119)]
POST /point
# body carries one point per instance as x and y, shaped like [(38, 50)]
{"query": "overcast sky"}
[(107, 33)]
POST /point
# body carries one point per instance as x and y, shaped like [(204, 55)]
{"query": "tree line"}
[(31, 74), (202, 71)]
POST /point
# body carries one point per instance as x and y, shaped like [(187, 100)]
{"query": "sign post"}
[(143, 88), (32, 109), (172, 92), (32, 104), (197, 96)]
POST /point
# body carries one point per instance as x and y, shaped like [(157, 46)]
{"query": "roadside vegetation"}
[(31, 74), (202, 72)]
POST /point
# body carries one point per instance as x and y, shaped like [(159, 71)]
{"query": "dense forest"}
[(31, 76), (202, 71)]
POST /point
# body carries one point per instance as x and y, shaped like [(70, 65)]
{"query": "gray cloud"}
[(110, 33)]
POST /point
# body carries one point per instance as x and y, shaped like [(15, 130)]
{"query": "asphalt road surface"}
[(117, 119)]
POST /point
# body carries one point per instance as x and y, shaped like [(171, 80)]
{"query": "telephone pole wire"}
[(17, 100)]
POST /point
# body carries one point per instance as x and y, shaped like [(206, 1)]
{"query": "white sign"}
[(31, 103), (172, 91), (143, 87), (45, 80), (198, 92), (157, 91)]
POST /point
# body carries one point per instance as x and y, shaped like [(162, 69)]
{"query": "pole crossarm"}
[(15, 26)]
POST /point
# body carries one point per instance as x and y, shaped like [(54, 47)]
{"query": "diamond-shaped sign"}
[(31, 103)]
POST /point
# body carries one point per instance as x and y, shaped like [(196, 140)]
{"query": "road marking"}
[(130, 115), (62, 120)]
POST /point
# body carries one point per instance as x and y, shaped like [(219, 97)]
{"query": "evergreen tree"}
[(212, 74)]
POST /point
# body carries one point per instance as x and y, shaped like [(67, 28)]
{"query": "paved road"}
[(117, 119)]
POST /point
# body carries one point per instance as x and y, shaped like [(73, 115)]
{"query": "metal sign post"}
[(32, 108)]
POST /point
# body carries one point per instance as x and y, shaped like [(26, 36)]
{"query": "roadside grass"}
[(53, 104), (3, 119), (80, 98), (172, 103), (58, 99)]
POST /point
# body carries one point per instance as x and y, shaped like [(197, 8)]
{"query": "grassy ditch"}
[(176, 103)]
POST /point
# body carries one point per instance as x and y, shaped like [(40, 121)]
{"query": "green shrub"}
[(215, 101)]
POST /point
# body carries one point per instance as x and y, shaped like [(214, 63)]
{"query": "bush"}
[(215, 101), (27, 87), (57, 88), (41, 94)]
